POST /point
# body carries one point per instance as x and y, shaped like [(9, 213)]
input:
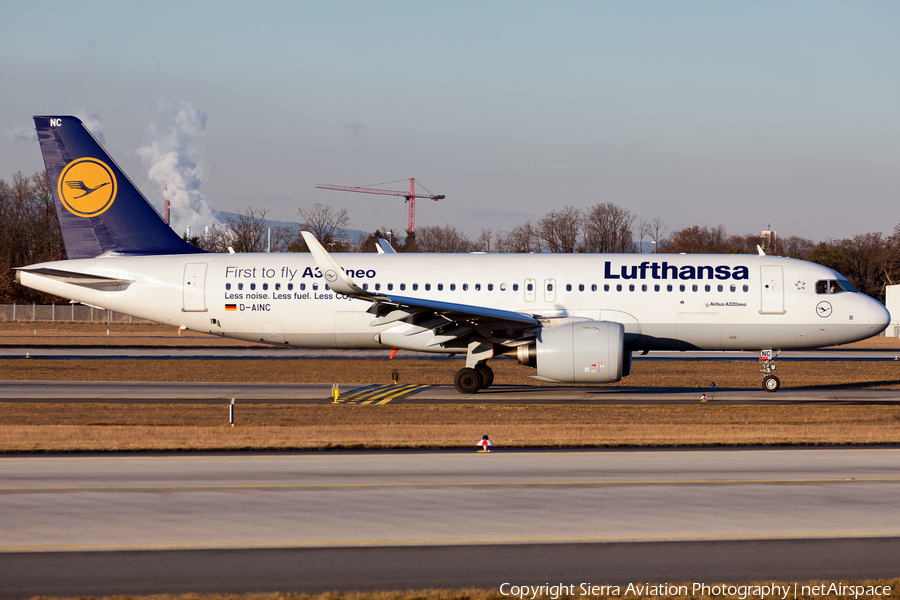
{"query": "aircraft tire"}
[(487, 376), (771, 383), (467, 381)]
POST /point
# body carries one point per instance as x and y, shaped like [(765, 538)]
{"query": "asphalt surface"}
[(113, 524), (277, 393)]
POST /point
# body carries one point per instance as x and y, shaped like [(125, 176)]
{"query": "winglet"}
[(385, 247), (760, 250), (337, 280)]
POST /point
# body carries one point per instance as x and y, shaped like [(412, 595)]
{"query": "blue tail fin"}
[(99, 209)]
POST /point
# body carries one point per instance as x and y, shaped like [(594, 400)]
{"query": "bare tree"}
[(29, 233), (697, 240), (558, 231), (607, 228), (245, 232), (327, 224), (521, 239), (483, 243), (656, 229), (442, 239)]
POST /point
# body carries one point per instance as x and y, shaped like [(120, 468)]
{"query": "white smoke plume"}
[(93, 123), (23, 133), (168, 156)]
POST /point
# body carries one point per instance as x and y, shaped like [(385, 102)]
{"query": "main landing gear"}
[(476, 375), (470, 380), (770, 382)]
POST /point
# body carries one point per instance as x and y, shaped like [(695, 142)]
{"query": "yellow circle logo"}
[(87, 187)]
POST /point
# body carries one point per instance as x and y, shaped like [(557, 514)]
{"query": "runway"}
[(377, 394), (99, 525)]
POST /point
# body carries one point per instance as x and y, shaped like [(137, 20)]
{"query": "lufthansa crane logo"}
[(87, 187), (331, 276), (823, 309)]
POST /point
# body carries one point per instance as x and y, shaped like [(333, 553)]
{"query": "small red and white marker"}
[(485, 444), (703, 398)]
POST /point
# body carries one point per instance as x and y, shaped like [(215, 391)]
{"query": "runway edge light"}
[(231, 413)]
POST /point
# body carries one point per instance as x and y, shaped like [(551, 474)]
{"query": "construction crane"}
[(410, 196)]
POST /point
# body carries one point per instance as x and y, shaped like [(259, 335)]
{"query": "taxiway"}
[(114, 524)]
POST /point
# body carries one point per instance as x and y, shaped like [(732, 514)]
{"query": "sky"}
[(697, 112)]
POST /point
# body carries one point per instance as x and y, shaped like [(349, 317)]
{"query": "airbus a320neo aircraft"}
[(574, 318)]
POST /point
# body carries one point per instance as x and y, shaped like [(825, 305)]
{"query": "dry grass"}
[(134, 427), (494, 594)]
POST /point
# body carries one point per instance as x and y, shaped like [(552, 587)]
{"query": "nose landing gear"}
[(770, 382)]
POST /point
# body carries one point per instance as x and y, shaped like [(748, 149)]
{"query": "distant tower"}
[(769, 240)]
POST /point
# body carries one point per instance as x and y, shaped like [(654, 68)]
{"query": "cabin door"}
[(772, 290), (194, 287)]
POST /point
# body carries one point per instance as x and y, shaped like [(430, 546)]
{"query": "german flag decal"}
[(231, 307)]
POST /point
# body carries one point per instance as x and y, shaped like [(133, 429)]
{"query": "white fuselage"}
[(665, 302)]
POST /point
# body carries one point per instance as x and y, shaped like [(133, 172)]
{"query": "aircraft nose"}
[(878, 318)]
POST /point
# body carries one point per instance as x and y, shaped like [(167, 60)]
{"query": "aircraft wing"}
[(448, 320)]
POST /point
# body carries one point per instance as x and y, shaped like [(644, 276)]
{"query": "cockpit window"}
[(833, 286)]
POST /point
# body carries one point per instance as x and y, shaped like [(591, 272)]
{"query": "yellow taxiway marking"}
[(462, 541), (300, 486), (382, 394)]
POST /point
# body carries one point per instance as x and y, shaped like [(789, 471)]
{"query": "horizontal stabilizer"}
[(83, 279)]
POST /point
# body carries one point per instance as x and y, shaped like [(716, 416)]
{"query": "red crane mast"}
[(410, 196)]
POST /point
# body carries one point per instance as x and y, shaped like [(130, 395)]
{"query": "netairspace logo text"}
[(742, 592)]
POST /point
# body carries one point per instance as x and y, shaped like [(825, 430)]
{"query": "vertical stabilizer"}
[(99, 209)]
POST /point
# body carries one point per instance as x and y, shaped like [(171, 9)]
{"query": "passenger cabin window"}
[(427, 287), (477, 287), (390, 286), (515, 287), (415, 287), (530, 287), (440, 287), (402, 287), (465, 287), (593, 287), (452, 287), (490, 287), (277, 286), (502, 287), (265, 286), (240, 286), (290, 286), (252, 286), (227, 286)]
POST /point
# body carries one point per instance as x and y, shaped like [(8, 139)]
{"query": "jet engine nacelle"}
[(579, 352)]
